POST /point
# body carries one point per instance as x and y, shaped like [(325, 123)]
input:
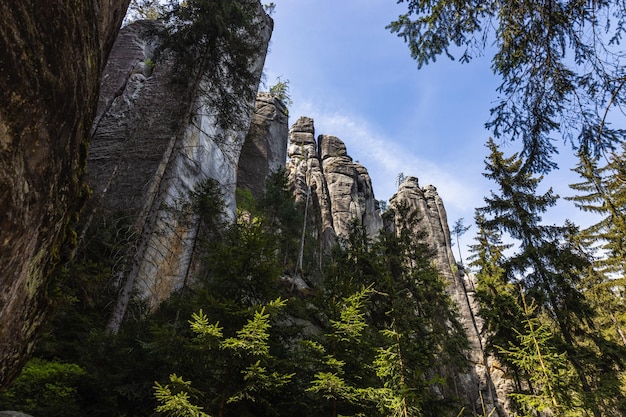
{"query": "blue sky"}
[(359, 83)]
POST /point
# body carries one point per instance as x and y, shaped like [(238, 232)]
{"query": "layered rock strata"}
[(339, 189)]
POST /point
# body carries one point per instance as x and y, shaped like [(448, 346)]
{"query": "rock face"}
[(154, 141), (433, 223), (339, 189), (485, 379), (265, 148), (51, 62)]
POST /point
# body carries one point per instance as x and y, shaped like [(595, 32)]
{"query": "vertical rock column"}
[(265, 148), (349, 188), (341, 188), (483, 378), (156, 138), (307, 178)]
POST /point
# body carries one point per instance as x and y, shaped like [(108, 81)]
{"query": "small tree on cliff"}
[(459, 230), (280, 90), (219, 40)]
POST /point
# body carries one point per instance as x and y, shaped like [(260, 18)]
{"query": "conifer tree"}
[(415, 316), (499, 304), (561, 65), (218, 40), (603, 192), (344, 380), (547, 371), (549, 266), (246, 376)]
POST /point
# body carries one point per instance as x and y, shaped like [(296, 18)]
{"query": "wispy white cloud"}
[(386, 157)]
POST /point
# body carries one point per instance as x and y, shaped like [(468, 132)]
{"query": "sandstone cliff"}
[(339, 189), (485, 384), (341, 192), (265, 148), (51, 62), (154, 141)]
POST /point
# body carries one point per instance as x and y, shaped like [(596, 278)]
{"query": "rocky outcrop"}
[(433, 223), (307, 178), (154, 141), (265, 148), (51, 62), (339, 189), (485, 384), (349, 188)]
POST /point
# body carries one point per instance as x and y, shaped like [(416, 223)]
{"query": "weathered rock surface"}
[(433, 224), (484, 378), (349, 187), (340, 189), (307, 178), (50, 67), (154, 141), (13, 414), (265, 148)]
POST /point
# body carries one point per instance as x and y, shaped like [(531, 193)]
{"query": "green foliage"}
[(603, 192), (548, 372), (280, 90), (343, 381), (284, 218), (176, 404), (377, 337), (561, 65), (144, 9), (252, 339), (551, 268), (269, 7), (47, 388), (458, 230), (394, 352), (400, 178), (207, 202), (396, 397), (217, 40), (246, 201), (351, 323), (499, 306), (245, 377)]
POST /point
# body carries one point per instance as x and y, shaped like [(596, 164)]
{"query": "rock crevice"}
[(149, 153), (341, 189)]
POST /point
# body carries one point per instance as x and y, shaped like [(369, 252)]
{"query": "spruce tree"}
[(422, 334), (345, 380), (603, 192), (218, 41), (246, 376), (498, 297), (549, 266)]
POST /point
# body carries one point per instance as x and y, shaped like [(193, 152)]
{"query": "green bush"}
[(45, 388)]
